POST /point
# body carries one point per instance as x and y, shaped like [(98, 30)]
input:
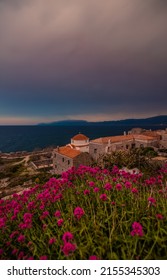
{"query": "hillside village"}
[(21, 170), (83, 151)]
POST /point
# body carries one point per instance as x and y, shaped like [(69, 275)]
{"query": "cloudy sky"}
[(82, 59)]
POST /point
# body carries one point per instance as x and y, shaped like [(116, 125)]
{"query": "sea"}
[(30, 138)]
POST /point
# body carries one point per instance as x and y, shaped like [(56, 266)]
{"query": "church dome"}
[(79, 137)]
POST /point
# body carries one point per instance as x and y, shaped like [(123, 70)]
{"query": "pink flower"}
[(113, 203), (30, 258), (103, 197), (27, 217), (43, 258), (25, 225), (21, 238), (21, 255), (60, 222), (108, 187), (159, 216), (137, 229), (86, 192), (91, 184), (52, 240), (78, 212), (93, 257), (1, 251), (68, 248), (118, 187), (31, 205), (128, 185), (44, 215), (57, 214), (152, 200), (44, 226), (14, 217), (96, 189), (134, 190), (2, 222), (67, 236), (13, 234), (14, 252)]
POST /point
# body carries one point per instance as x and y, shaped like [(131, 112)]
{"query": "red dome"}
[(80, 137)]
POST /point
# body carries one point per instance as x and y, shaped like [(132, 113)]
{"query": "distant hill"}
[(66, 122), (157, 120)]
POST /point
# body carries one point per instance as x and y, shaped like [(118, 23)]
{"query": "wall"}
[(60, 165), (122, 145), (95, 149), (163, 141), (82, 159), (82, 145), (146, 143)]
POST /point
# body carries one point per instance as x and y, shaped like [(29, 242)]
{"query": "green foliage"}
[(135, 158), (111, 200)]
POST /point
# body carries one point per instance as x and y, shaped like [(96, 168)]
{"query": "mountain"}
[(157, 120), (65, 122)]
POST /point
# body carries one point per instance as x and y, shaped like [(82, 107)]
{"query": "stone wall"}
[(146, 143), (122, 145), (163, 141), (82, 159), (95, 150), (98, 149), (61, 163)]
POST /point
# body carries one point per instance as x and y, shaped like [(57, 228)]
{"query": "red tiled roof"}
[(151, 133), (68, 152), (80, 137), (115, 139), (143, 137)]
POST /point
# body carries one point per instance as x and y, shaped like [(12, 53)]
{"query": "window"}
[(95, 151), (62, 159), (68, 162), (127, 147)]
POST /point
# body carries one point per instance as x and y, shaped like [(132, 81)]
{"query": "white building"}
[(80, 142)]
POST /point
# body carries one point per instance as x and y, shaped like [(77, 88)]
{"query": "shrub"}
[(89, 213)]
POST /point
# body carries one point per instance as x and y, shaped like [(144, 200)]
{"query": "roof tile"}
[(115, 139), (80, 137), (67, 151)]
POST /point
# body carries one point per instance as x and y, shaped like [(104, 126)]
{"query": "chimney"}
[(124, 132), (57, 148)]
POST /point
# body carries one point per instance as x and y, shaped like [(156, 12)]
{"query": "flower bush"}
[(88, 213)]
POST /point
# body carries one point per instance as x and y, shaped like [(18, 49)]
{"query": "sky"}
[(93, 60)]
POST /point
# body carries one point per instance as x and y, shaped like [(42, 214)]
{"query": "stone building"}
[(66, 157), (160, 135), (110, 144), (163, 138), (81, 151)]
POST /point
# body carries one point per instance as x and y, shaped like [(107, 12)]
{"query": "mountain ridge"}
[(156, 120)]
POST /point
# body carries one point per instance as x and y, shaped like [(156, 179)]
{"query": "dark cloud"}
[(83, 57)]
